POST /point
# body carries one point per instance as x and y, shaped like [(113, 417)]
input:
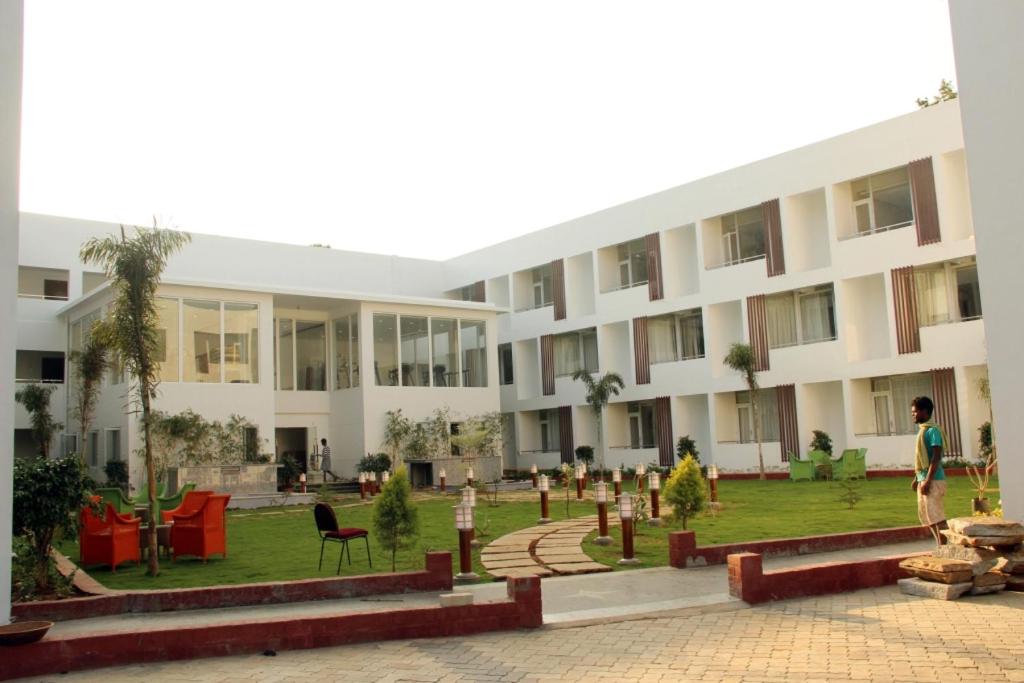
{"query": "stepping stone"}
[(550, 560), (580, 568), (938, 591), (508, 564), (516, 555), (507, 541), (519, 572)]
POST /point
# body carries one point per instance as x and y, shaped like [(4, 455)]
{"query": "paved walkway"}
[(871, 635), (543, 550)]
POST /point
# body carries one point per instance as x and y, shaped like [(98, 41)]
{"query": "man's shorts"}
[(929, 508)]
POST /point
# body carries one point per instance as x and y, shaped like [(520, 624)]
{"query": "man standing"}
[(929, 480), (325, 460)]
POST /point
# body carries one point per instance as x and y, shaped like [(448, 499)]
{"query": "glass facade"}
[(202, 340), (474, 353), (444, 334)]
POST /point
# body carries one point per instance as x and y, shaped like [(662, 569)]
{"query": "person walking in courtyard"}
[(929, 478), (325, 460)]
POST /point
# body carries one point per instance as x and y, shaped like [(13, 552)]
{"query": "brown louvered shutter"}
[(947, 414), (904, 297), (547, 364), (654, 279), (663, 427), (641, 356), (558, 284), (479, 291), (922, 194), (789, 435), (772, 219), (757, 321), (566, 445)]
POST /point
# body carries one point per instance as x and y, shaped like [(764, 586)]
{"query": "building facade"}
[(848, 265)]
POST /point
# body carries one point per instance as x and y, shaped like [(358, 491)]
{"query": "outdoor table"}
[(163, 537)]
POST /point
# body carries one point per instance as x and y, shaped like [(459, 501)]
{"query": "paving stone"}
[(930, 589), (580, 568), (986, 525), (556, 558), (506, 564), (980, 559), (536, 570)]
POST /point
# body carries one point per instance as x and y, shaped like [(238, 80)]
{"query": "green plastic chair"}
[(800, 470), (143, 497), (171, 502), (853, 464), (115, 496), (819, 458)]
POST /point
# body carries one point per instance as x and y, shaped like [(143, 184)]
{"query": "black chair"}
[(327, 527)]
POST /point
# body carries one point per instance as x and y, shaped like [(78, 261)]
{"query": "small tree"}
[(599, 392), (585, 454), (741, 359), (685, 490), (36, 399), (979, 476), (687, 446), (90, 363), (395, 520), (821, 442), (47, 494), (396, 429)]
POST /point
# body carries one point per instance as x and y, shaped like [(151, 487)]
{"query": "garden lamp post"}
[(543, 485), (302, 481), (579, 482), (533, 475), (362, 486), (469, 477), (374, 488), (641, 472), (469, 498), (601, 495), (385, 476), (617, 481), (444, 480), (465, 525), (654, 480), (713, 482), (626, 519)]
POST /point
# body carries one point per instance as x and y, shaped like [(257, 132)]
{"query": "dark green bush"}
[(117, 474)]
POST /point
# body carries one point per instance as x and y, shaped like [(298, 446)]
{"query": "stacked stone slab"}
[(983, 555)]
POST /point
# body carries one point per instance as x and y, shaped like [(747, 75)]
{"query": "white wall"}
[(990, 61), (11, 37)]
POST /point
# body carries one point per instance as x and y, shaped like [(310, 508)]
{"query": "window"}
[(801, 316), (241, 340), (445, 338), (891, 397), (346, 352), (167, 339), (632, 258), (882, 201), (285, 340), (743, 235), (473, 341), (113, 445), (42, 283), (768, 407), (69, 444), (676, 336), (505, 375), (415, 350), (549, 432), (251, 444), (39, 366), (947, 292), (641, 424), (576, 351), (385, 349), (543, 292), (310, 355), (94, 448), (202, 341)]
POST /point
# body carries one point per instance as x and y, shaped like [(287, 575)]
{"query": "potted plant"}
[(289, 471)]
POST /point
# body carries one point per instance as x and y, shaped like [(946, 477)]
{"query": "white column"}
[(11, 37), (989, 61)]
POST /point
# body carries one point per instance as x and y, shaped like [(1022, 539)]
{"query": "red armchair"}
[(203, 532), (110, 540), (191, 504)]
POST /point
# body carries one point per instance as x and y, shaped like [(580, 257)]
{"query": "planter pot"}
[(23, 632), (981, 505)]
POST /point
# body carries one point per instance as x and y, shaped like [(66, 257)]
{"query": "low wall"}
[(484, 469), (683, 551), (58, 654), (749, 582), (242, 478), (436, 577)]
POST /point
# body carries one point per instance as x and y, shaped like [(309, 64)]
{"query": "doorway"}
[(291, 441)]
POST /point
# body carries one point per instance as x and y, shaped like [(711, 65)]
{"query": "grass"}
[(280, 544)]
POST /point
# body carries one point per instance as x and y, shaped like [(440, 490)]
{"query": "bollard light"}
[(469, 496), (580, 474), (385, 477), (533, 475), (617, 481), (469, 477), (625, 506), (362, 486), (464, 517), (601, 492), (544, 487), (302, 481), (464, 523), (626, 520), (444, 478), (713, 481), (654, 480), (641, 473), (601, 496), (543, 483)]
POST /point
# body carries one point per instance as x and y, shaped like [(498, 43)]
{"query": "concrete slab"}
[(506, 564), (579, 568)]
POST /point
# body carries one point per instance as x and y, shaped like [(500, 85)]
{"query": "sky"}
[(430, 129)]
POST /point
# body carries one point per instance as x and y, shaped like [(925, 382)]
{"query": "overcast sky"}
[(434, 128)]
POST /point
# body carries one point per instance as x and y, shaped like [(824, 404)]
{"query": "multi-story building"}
[(848, 265)]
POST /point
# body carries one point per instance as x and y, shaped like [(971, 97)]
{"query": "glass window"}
[(661, 338), (817, 315), (354, 327), (202, 341), (882, 201), (385, 349), (800, 317), (567, 353), (549, 432), (311, 355), (285, 354), (768, 407), (415, 347), (113, 445), (743, 235), (904, 389), (691, 334), (542, 286), (445, 338), (588, 338), (342, 355), (932, 297), (780, 313), (641, 424), (241, 343), (474, 353), (505, 375), (967, 293), (167, 339), (632, 257)]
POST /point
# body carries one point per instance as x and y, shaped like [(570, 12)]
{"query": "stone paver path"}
[(871, 635), (544, 550)]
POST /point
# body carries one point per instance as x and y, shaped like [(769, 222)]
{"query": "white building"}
[(848, 264)]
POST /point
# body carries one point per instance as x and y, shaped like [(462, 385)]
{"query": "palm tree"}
[(741, 359), (90, 364), (133, 267), (598, 393)]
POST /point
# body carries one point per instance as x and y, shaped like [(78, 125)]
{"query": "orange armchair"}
[(110, 540), (203, 532), (191, 504)]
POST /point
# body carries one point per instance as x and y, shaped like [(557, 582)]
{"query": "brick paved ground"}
[(872, 635)]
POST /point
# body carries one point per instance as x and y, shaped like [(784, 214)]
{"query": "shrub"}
[(24, 584), (374, 462), (585, 454), (821, 442), (290, 470), (851, 494), (117, 473), (36, 399), (395, 520), (985, 440), (687, 445), (685, 490)]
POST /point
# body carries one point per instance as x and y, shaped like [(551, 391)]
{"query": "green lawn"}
[(274, 544)]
